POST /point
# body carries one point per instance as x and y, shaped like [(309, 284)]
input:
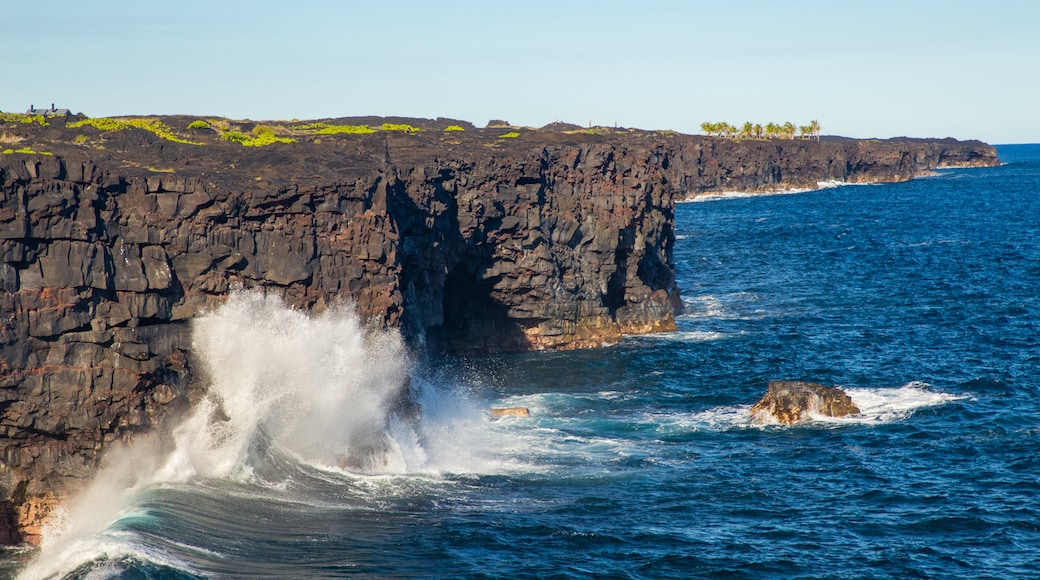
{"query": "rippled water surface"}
[(639, 460)]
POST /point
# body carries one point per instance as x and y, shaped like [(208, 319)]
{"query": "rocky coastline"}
[(469, 240)]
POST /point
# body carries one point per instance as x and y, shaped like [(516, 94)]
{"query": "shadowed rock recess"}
[(111, 241)]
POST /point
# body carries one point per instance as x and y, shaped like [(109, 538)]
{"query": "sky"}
[(886, 68)]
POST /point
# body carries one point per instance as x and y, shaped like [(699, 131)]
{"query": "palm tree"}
[(758, 131), (772, 130), (814, 129), (805, 131), (728, 130), (788, 128), (748, 130)]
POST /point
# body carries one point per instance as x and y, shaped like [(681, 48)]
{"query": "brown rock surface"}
[(790, 401), (114, 240)]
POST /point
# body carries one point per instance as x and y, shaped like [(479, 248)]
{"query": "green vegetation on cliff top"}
[(154, 126), (321, 128), (25, 151), (25, 119), (260, 136)]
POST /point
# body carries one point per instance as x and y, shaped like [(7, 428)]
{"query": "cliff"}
[(112, 240)]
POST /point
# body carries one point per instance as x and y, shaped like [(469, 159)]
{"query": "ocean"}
[(639, 459)]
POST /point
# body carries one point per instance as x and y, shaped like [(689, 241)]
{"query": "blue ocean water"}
[(639, 459)]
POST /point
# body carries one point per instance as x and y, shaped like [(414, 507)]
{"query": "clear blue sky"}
[(966, 69)]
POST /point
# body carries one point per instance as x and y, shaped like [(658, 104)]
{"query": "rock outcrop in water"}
[(472, 240), (788, 402)]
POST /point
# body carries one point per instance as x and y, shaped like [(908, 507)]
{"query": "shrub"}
[(453, 128), (234, 136), (80, 139), (509, 135), (309, 126), (260, 138), (400, 127), (198, 124)]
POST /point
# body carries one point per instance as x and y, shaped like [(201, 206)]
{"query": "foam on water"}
[(877, 406), (733, 306), (894, 404), (716, 196), (687, 336)]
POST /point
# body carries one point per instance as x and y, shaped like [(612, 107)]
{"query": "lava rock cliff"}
[(470, 242)]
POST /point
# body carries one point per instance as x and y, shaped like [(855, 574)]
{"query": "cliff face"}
[(109, 246)]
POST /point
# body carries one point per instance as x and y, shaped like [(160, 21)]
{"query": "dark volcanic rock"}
[(788, 401), (112, 244)]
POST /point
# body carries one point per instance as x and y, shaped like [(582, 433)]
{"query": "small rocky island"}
[(114, 233), (790, 402)]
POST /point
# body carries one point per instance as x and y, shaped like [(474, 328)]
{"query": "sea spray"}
[(315, 387), (318, 386), (282, 388)]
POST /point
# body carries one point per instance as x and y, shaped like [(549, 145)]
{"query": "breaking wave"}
[(289, 396)]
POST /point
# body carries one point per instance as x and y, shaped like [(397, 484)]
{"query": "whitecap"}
[(688, 336), (887, 405), (732, 306)]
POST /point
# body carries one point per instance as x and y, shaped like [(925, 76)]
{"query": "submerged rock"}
[(789, 401)]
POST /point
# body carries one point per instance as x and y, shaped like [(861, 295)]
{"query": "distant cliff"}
[(112, 239)]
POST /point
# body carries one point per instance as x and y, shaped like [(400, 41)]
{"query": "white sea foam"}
[(715, 196), (687, 336), (727, 307), (894, 404)]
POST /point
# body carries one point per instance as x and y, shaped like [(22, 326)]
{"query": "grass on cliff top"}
[(24, 119), (403, 127), (154, 126), (260, 136), (321, 128), (509, 135), (25, 151), (592, 131)]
